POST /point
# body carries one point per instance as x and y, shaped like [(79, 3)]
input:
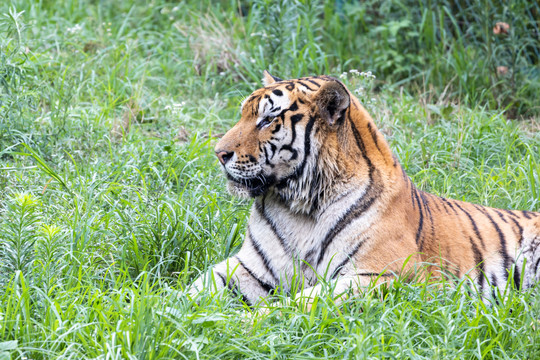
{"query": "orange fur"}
[(341, 152)]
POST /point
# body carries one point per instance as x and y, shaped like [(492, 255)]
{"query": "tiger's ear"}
[(269, 79), (331, 99)]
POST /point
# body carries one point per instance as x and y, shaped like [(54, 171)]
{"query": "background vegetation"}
[(111, 200)]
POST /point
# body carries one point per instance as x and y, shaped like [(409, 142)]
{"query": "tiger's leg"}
[(238, 276)]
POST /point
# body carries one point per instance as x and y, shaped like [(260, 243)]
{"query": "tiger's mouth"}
[(249, 187)]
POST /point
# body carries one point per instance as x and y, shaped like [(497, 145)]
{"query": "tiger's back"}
[(332, 201), (487, 244)]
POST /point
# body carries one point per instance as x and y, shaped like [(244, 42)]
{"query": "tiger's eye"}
[(265, 122)]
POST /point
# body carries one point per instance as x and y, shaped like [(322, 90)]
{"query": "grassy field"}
[(111, 200)]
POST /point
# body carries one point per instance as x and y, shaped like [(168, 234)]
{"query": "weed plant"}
[(111, 200)]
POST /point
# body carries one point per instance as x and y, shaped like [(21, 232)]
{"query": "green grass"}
[(111, 200)]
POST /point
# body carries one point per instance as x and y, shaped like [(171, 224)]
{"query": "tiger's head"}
[(276, 144)]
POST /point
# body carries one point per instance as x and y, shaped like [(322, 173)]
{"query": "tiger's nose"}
[(224, 156)]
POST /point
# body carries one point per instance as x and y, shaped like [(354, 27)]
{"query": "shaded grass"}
[(111, 200)]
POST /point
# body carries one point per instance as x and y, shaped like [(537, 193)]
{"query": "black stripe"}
[(405, 176), (373, 134), (315, 188), (479, 263), (288, 147), (527, 214), (293, 107), (494, 281), (233, 286), (354, 103), (273, 148), (446, 202), (222, 277), (261, 209), (515, 222), (516, 278), (335, 200), (276, 129), (266, 286), (277, 92), (348, 258), (475, 227), (254, 99), (445, 208), (502, 240), (420, 220), (413, 198), (313, 82), (266, 157), (304, 84), (262, 255), (494, 288), (480, 208), (511, 213), (536, 268), (307, 151), (385, 274), (520, 229), (436, 202), (361, 205), (425, 202), (267, 97), (500, 215), (296, 118)]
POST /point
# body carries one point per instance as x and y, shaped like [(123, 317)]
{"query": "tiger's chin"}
[(238, 190), (249, 188)]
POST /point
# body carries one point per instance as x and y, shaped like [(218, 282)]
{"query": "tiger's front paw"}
[(193, 290), (265, 309)]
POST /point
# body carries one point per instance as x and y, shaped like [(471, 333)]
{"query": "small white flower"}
[(74, 29), (252, 60), (222, 73)]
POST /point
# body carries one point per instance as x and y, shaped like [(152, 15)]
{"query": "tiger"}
[(333, 205)]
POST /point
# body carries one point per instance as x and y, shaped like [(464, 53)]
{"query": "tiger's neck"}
[(363, 157), (355, 156), (365, 143)]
